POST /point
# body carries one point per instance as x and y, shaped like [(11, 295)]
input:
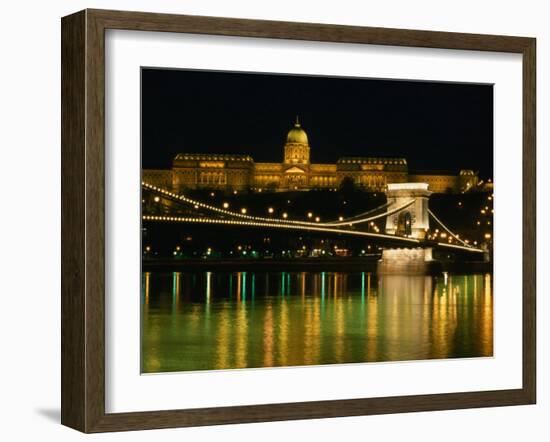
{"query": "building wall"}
[(158, 177), (438, 183), (239, 172), (445, 183), (233, 173)]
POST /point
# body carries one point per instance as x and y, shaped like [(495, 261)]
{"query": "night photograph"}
[(294, 220)]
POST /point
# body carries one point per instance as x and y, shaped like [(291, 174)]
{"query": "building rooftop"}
[(212, 157), (371, 160)]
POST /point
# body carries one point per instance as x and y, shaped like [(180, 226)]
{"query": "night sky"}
[(436, 126)]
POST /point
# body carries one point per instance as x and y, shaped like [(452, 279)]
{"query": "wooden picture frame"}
[(83, 220)]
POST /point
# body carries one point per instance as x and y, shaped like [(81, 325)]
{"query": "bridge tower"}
[(413, 220)]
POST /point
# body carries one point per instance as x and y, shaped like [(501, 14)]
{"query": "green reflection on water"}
[(202, 320)]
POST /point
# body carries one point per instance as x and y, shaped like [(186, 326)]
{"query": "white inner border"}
[(127, 390)]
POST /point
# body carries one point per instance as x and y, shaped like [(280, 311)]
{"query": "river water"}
[(224, 320)]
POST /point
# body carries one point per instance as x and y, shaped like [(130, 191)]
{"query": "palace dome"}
[(297, 134)]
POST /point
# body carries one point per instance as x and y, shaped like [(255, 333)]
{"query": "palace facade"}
[(240, 172)]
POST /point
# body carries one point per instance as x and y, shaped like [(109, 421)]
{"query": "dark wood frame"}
[(83, 216)]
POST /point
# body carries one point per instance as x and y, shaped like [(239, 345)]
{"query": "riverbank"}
[(356, 264)]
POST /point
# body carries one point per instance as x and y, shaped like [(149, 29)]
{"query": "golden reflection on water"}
[(146, 286), (283, 334), (222, 339), (305, 318), (487, 316), (268, 338), (241, 328), (339, 332)]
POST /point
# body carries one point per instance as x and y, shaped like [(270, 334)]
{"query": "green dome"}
[(297, 134)]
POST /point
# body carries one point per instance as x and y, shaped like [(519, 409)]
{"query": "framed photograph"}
[(268, 221)]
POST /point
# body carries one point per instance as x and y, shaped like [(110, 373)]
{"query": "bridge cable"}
[(316, 228), (197, 203), (448, 230)]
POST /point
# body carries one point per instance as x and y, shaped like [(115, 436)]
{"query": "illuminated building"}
[(230, 172)]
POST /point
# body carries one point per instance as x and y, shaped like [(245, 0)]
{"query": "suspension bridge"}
[(406, 214)]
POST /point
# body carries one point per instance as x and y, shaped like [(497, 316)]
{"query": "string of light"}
[(345, 222), (257, 221), (316, 228)]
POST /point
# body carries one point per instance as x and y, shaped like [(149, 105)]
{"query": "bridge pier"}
[(407, 261)]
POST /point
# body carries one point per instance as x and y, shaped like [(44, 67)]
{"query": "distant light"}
[(285, 215), (487, 236), (270, 210), (243, 210), (317, 219), (443, 235), (212, 194), (340, 218), (157, 199), (235, 192), (148, 248), (309, 214), (225, 205)]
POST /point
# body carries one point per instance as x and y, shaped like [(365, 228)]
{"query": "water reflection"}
[(216, 320)]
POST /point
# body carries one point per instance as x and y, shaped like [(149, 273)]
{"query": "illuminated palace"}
[(239, 172)]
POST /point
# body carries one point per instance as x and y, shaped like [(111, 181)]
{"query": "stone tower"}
[(413, 220)]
